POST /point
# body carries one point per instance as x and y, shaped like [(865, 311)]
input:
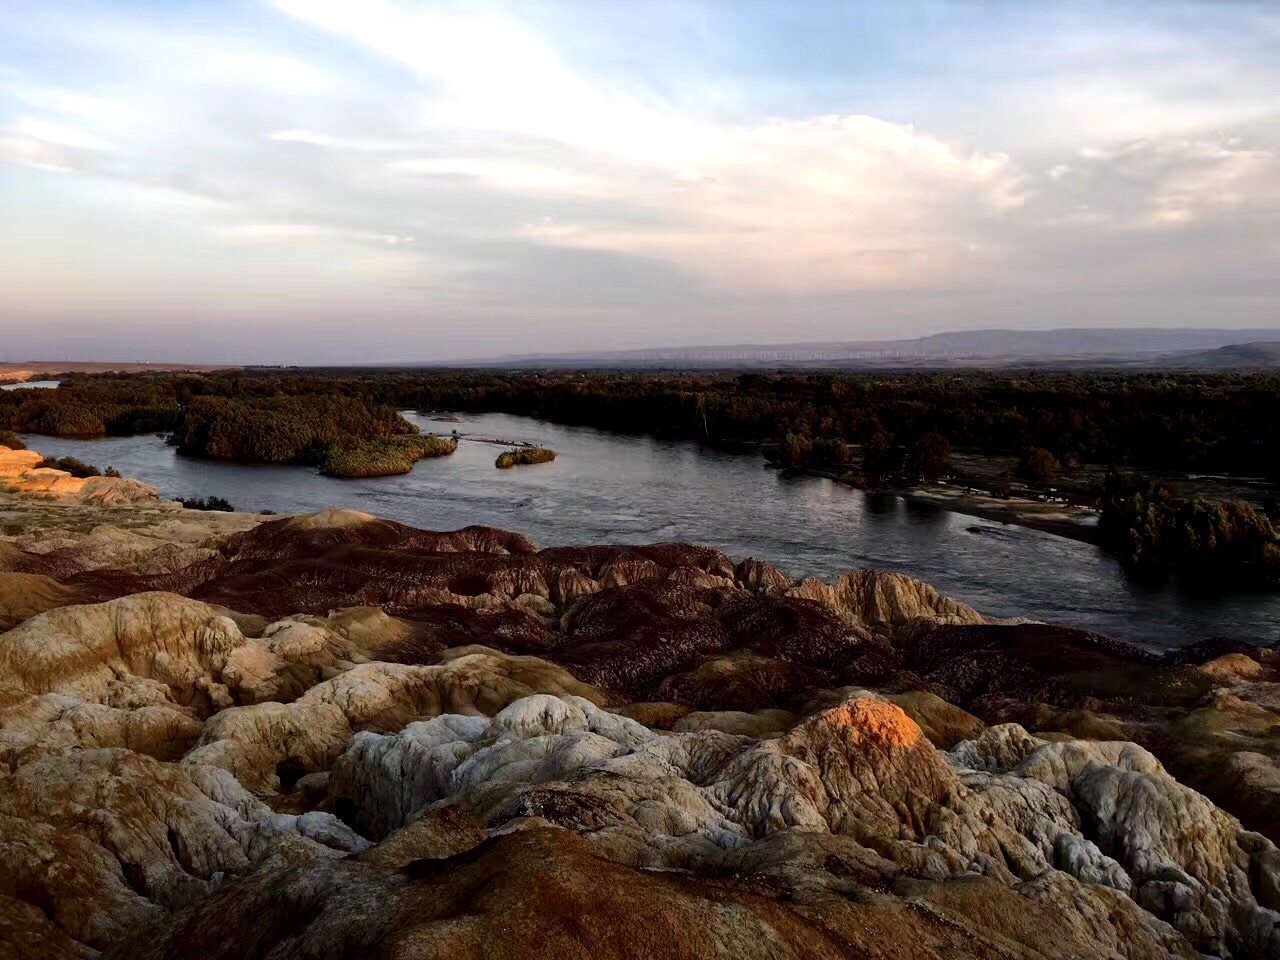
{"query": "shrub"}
[(1039, 467), (881, 457), (523, 455), (111, 472), (1156, 534), (385, 456), (10, 439), (207, 503), (930, 456), (77, 468), (828, 452)]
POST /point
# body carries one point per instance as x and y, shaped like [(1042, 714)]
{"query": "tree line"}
[(1185, 421)]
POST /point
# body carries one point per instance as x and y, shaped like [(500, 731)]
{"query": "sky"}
[(327, 181)]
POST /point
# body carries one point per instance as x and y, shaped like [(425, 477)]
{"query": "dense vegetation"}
[(284, 429), (343, 436), (95, 405), (269, 419), (1157, 534), (523, 455), (1220, 422)]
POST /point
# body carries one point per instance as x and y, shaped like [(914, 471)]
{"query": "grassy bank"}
[(524, 455), (385, 456)]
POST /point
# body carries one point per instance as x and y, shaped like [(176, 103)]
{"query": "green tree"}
[(794, 450), (930, 456), (1039, 467)]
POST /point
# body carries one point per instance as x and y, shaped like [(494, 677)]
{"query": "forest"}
[(878, 429), (1184, 421)]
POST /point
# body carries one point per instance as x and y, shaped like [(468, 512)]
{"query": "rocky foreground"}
[(336, 736)]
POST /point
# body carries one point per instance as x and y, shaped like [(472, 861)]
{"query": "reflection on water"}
[(625, 489)]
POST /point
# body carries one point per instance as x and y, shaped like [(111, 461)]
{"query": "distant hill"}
[(1065, 347), (1235, 356), (36, 369)]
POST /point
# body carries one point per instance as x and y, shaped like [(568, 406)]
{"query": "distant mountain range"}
[(1155, 348), (1234, 356)]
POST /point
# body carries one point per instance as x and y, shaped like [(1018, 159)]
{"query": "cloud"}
[(356, 144), (778, 203), (57, 134), (38, 154), (505, 160), (293, 232), (504, 174), (814, 203), (1144, 185)]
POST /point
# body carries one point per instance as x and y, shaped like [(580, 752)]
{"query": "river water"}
[(610, 488)]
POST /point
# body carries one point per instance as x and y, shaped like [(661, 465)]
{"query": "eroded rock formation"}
[(21, 473), (336, 736)]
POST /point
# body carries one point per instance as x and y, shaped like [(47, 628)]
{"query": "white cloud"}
[(38, 154), (270, 233), (356, 144), (56, 133), (1214, 180), (831, 202), (493, 72), (506, 175), (782, 203), (1174, 182)]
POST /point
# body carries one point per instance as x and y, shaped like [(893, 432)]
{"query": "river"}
[(610, 488)]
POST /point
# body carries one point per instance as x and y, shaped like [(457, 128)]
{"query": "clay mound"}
[(262, 742), (20, 474), (306, 536), (1057, 665), (401, 582), (595, 561), (1088, 821), (114, 491), (822, 768), (878, 598), (154, 649), (23, 595), (134, 838), (484, 903), (14, 463)]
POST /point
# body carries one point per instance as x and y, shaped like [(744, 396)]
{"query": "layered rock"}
[(336, 736), (21, 473)]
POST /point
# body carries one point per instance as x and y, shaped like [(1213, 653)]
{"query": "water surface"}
[(609, 488)]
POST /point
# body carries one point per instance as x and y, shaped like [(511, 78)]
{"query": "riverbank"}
[(1060, 519)]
